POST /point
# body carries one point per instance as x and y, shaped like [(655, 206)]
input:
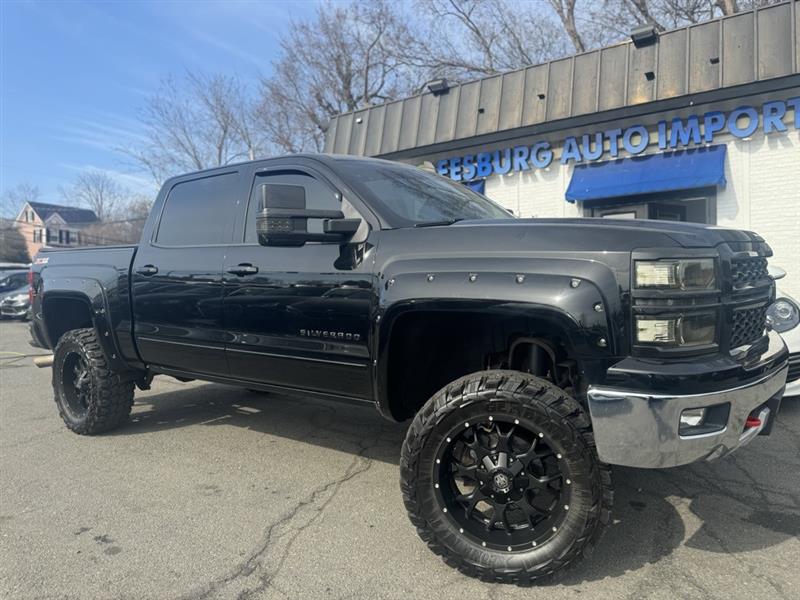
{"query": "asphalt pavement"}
[(216, 492)]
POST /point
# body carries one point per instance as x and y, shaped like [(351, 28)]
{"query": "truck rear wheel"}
[(500, 477), (91, 398)]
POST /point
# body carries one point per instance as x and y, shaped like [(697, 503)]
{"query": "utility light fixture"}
[(644, 35), (438, 86)]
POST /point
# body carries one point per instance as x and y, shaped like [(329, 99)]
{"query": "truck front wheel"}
[(91, 398), (500, 476)]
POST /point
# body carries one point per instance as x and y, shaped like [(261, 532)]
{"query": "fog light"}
[(692, 417), (656, 331)]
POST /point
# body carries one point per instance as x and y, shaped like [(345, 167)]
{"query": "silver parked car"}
[(784, 316), (14, 297)]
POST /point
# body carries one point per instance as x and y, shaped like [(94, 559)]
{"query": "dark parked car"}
[(529, 354), (14, 294)]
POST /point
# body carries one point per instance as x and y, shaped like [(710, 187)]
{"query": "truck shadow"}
[(743, 503), (354, 428)]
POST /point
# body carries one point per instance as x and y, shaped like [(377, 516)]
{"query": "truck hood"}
[(613, 234)]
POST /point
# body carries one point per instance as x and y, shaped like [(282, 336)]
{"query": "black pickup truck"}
[(531, 354)]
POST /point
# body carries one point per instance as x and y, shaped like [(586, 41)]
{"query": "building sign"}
[(679, 133)]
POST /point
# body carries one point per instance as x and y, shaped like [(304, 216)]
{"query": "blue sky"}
[(73, 75)]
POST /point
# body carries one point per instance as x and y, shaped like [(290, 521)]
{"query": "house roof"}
[(748, 52), (70, 214)]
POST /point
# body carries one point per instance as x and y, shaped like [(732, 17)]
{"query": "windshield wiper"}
[(438, 223)]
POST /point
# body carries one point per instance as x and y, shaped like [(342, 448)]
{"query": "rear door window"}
[(198, 212)]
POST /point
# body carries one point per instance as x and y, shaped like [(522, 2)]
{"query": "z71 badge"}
[(331, 335)]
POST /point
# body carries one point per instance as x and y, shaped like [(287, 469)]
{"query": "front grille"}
[(748, 270), (748, 325), (794, 367)]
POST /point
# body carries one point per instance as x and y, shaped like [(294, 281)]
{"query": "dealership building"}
[(695, 124)]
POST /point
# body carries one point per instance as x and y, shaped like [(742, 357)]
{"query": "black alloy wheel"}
[(76, 380), (500, 476), (91, 396), (502, 483)]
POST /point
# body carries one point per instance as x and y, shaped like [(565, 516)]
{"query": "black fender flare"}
[(91, 292), (578, 297)]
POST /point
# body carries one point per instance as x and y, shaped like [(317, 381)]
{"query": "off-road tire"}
[(562, 420), (110, 397)]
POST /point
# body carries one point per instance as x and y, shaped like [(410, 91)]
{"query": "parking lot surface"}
[(216, 492)]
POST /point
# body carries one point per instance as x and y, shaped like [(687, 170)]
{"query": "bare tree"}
[(472, 38), (14, 198), (12, 243), (198, 122), (620, 16), (565, 9), (124, 228), (96, 190), (347, 56)]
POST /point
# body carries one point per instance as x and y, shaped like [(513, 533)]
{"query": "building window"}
[(66, 237), (47, 236), (37, 236), (693, 206)]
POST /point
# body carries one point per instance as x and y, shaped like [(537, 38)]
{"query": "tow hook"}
[(43, 361)]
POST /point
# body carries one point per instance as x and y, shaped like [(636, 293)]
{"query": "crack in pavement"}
[(278, 529)]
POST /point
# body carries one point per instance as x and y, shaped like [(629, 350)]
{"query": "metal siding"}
[(534, 108), (737, 49), (641, 62), (375, 130), (774, 41), (671, 75), (559, 89), (468, 109), (330, 135), (584, 96), (703, 46), (612, 77), (511, 99), (358, 133), (427, 120), (410, 122), (343, 134), (490, 105), (391, 127), (731, 51), (448, 110)]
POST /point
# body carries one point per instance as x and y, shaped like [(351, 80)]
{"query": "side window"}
[(288, 189), (197, 212)]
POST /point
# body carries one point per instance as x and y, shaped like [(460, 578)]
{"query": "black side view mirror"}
[(283, 219)]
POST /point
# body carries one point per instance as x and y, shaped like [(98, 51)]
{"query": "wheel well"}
[(64, 314), (429, 349)]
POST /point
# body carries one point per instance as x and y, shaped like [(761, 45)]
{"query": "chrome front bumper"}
[(641, 430)]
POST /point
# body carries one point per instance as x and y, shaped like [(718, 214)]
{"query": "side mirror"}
[(283, 219)]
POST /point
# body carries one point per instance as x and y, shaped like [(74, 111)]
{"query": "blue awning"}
[(680, 170), (477, 185)]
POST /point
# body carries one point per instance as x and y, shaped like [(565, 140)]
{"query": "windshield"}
[(13, 281), (407, 196)]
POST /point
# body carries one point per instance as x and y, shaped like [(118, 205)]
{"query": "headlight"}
[(783, 315), (18, 298), (693, 330), (677, 274)]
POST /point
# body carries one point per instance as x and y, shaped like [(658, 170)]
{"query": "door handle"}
[(242, 269), (147, 270)]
